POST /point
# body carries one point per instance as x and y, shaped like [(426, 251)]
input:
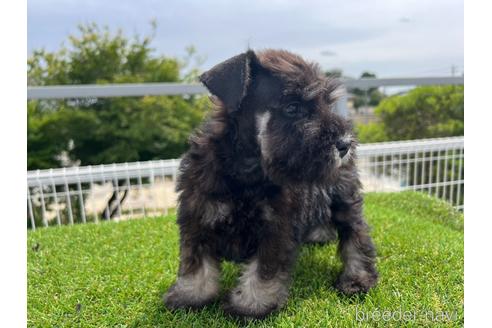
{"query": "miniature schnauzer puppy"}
[(270, 169)]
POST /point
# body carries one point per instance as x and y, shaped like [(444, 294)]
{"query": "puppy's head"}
[(290, 103)]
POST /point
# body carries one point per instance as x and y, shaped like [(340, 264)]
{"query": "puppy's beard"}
[(348, 138), (347, 156), (261, 127), (339, 161)]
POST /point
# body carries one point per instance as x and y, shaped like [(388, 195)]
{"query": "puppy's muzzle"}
[(342, 147)]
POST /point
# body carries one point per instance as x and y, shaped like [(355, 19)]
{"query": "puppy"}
[(270, 169)]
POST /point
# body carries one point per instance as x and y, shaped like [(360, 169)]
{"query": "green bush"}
[(424, 112), (371, 132), (107, 130)]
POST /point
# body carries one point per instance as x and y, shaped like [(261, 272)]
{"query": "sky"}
[(387, 37)]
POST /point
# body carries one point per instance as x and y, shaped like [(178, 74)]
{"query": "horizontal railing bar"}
[(403, 81), (98, 168), (412, 146), (167, 89), (369, 162), (86, 178), (84, 174), (113, 90)]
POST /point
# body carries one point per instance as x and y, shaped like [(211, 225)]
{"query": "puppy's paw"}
[(239, 304), (178, 297), (356, 284)]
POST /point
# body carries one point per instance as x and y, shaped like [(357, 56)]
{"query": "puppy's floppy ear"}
[(230, 79)]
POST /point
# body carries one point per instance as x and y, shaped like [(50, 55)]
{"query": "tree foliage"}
[(424, 112), (107, 130)]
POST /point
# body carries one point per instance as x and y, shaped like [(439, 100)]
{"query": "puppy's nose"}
[(343, 147)]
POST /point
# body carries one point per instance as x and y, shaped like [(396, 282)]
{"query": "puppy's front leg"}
[(264, 283), (199, 270), (356, 249)]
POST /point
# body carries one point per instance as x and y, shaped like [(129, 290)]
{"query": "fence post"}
[(67, 192), (53, 187), (43, 205), (29, 207)]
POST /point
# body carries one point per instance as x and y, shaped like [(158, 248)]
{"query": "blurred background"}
[(113, 94)]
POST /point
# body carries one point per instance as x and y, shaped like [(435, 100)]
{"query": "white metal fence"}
[(128, 190), (434, 166)]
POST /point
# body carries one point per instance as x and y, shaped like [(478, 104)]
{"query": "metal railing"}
[(166, 89), (83, 194), (154, 89)]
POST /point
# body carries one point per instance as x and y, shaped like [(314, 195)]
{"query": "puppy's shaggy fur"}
[(270, 169)]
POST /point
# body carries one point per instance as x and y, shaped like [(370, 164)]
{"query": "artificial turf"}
[(114, 274)]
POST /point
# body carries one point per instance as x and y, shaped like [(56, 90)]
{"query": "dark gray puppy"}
[(270, 169)]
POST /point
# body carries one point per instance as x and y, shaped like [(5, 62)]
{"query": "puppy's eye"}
[(292, 109)]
